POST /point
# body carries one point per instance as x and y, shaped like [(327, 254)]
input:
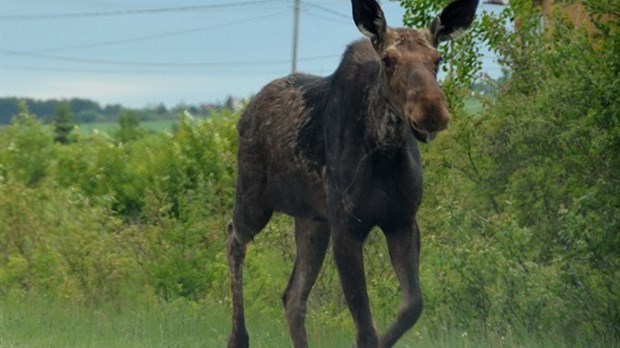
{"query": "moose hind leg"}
[(240, 232), (404, 248), (236, 254), (312, 238)]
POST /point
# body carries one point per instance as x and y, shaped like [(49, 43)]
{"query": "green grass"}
[(181, 323), (45, 324), (176, 324), (107, 127)]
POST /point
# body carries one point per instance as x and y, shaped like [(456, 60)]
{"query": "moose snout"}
[(436, 117), (428, 116)]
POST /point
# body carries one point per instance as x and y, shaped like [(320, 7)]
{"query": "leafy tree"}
[(9, 107), (63, 123), (129, 123), (26, 149)]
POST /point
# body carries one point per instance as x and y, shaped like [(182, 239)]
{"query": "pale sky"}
[(143, 52)]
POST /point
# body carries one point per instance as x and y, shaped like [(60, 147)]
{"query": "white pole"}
[(295, 37)]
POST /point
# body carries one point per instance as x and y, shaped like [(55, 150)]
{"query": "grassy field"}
[(188, 324), (107, 127), (473, 105), (176, 324)]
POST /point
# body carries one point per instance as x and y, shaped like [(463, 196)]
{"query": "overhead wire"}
[(38, 54), (155, 36), (326, 10), (9, 52), (309, 10), (115, 13), (138, 71), (329, 19)]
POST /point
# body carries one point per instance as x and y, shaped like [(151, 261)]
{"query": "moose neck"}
[(384, 127), (359, 98)]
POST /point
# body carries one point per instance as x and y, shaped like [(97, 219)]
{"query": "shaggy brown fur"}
[(340, 155)]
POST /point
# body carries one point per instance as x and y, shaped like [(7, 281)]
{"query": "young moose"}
[(339, 154)]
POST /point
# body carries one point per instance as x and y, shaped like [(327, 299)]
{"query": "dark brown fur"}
[(340, 155)]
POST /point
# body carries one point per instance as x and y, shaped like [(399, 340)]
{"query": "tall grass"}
[(52, 324), (180, 323), (183, 323)]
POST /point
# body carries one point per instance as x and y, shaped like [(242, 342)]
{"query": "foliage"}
[(461, 54), (26, 149), (522, 201), (152, 198), (520, 218), (129, 127), (63, 123)]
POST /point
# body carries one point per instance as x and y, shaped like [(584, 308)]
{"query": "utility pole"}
[(295, 37)]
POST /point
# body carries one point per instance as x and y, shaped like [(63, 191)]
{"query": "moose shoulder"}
[(339, 154)]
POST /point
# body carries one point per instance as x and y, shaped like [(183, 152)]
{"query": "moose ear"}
[(370, 20), (456, 17)]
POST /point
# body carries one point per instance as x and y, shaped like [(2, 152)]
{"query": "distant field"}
[(473, 105), (107, 127)]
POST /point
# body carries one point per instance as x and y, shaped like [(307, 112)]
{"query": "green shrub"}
[(57, 243), (25, 149), (521, 211)]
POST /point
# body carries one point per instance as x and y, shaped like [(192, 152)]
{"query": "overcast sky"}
[(141, 52)]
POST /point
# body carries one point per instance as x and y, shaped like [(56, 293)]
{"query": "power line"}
[(329, 19), (235, 71), (10, 52), (116, 13), (153, 36), (154, 64), (327, 10)]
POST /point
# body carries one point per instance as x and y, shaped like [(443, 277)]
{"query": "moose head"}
[(410, 61)]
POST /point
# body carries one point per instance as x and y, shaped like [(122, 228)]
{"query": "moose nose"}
[(437, 117), (429, 116)]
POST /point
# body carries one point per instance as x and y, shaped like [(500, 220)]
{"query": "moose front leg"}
[(348, 255), (312, 238), (404, 248)]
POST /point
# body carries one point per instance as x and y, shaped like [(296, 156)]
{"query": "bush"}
[(26, 149), (57, 243), (97, 212), (521, 211)]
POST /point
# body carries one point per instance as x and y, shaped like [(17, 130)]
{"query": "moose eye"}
[(389, 62)]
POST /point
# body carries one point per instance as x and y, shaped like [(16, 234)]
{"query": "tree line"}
[(89, 111)]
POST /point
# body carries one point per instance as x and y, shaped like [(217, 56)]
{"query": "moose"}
[(339, 154)]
